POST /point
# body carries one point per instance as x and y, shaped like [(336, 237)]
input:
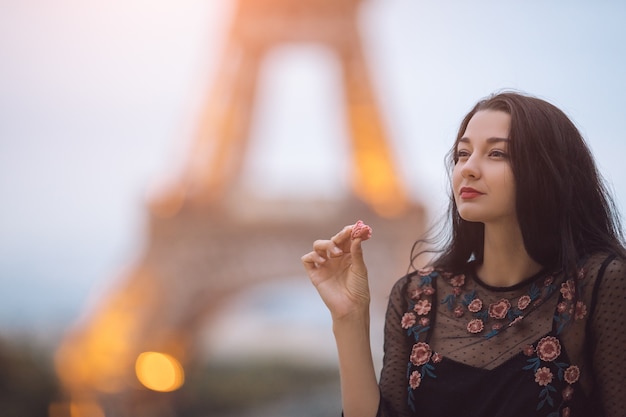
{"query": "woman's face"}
[(484, 187)]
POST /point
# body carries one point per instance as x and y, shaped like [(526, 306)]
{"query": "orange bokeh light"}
[(159, 371)]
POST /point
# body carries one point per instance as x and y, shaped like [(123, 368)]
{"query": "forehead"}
[(486, 124)]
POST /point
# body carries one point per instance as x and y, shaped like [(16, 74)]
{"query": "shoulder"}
[(604, 268), (611, 275), (605, 274)]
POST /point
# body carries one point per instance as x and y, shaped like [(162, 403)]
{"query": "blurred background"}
[(164, 165)]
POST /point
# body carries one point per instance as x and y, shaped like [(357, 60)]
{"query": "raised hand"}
[(338, 272)]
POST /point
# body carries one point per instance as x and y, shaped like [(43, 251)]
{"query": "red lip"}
[(468, 193)]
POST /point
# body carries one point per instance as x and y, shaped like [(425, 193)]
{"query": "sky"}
[(98, 100)]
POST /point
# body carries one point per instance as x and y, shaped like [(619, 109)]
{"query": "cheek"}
[(456, 176), (508, 183), (457, 179)]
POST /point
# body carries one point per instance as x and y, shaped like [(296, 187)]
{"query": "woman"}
[(521, 311)]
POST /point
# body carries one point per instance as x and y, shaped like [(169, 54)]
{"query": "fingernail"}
[(337, 251)]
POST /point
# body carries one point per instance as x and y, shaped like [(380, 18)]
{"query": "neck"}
[(506, 261)]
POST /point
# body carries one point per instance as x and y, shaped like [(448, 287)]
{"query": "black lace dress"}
[(549, 346)]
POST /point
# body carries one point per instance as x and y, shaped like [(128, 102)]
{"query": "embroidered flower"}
[(456, 291), (498, 310), (528, 350), (424, 321), (568, 289), (561, 307), (422, 307), (423, 272), (548, 281), (436, 358), (581, 310), (566, 412), (548, 348), (475, 306), (428, 290), (543, 376), (475, 326), (572, 374), (458, 280), (496, 326), (416, 293), (568, 393), (458, 311), (415, 379), (420, 354), (523, 302), (408, 320)]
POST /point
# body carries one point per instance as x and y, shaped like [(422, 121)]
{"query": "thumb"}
[(356, 252)]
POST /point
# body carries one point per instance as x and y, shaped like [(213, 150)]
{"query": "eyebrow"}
[(489, 140)]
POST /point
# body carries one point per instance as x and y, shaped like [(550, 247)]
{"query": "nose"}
[(470, 168)]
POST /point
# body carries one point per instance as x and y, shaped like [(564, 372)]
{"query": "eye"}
[(497, 153), (461, 154)]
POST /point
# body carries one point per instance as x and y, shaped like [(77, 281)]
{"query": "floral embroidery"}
[(408, 320), (420, 354), (422, 358), (555, 379), (568, 289), (458, 280), (544, 357), (567, 309), (475, 326), (428, 290), (422, 307), (580, 311), (498, 310), (568, 393), (543, 376), (419, 306), (528, 350), (475, 306), (415, 379), (572, 374), (548, 281), (548, 370), (523, 302), (548, 348), (459, 302), (416, 293)]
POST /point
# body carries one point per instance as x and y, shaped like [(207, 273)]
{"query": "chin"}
[(471, 216)]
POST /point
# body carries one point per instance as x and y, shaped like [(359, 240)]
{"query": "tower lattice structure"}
[(201, 251)]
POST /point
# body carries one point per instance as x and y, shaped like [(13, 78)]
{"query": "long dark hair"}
[(563, 206)]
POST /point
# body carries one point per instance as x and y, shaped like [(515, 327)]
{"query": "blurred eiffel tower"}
[(206, 245)]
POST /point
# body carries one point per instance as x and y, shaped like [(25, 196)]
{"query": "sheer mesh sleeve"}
[(393, 381), (608, 338)]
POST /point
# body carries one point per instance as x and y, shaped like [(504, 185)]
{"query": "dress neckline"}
[(474, 276)]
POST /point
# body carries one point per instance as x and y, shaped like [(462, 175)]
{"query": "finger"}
[(327, 248), (357, 250), (342, 239), (312, 260)]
